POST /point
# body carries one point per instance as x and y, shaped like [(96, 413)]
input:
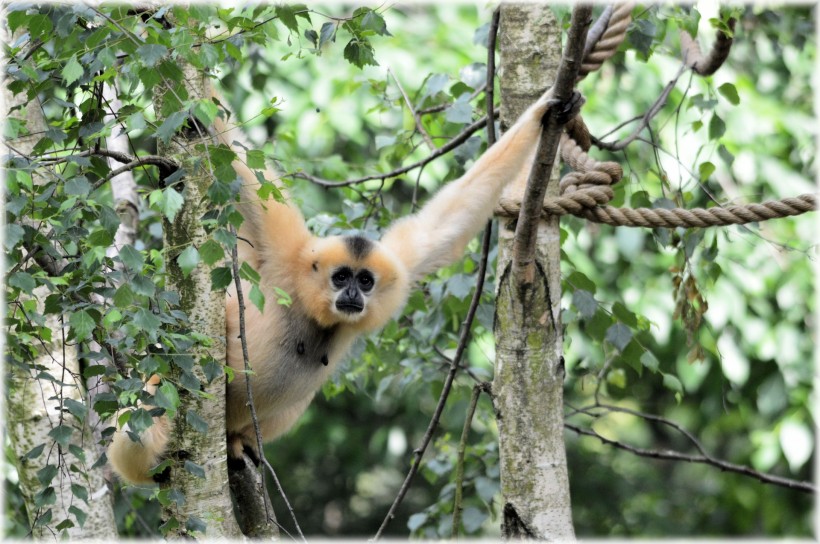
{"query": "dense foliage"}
[(709, 328)]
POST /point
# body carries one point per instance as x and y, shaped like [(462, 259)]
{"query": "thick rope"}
[(616, 21), (706, 65), (586, 191)]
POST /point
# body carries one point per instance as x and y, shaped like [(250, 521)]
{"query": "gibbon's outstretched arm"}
[(438, 233), (341, 287)]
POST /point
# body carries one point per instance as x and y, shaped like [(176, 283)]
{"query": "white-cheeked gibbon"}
[(341, 287)]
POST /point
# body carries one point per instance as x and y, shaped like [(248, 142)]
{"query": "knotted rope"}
[(586, 190)]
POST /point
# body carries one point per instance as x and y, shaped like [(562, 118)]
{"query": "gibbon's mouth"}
[(349, 307)]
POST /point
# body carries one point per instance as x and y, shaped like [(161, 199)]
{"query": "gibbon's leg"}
[(438, 233), (132, 460)]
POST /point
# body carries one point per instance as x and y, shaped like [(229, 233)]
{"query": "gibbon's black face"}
[(352, 287)]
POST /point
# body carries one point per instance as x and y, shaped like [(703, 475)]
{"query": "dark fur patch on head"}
[(359, 246), (315, 266)]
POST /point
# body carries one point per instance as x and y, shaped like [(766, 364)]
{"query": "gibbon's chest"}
[(301, 357)]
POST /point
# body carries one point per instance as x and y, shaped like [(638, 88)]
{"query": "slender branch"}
[(490, 83), (240, 299), (458, 505), (446, 148), (441, 107), (523, 259), (418, 453), (647, 117), (806, 487), (414, 113)]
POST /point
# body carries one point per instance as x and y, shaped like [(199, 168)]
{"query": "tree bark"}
[(529, 372), (197, 502), (36, 406)]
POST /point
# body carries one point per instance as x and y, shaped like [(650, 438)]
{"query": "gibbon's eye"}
[(340, 277), (366, 281)]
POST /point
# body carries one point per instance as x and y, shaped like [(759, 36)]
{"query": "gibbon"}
[(340, 286)]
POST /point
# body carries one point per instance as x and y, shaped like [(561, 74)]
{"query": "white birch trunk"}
[(36, 406), (206, 500), (529, 372)]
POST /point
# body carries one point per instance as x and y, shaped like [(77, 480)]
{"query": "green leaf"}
[(256, 159), (167, 397), (171, 203), (706, 169), (327, 34), (123, 296), (196, 422), (61, 434), (673, 383), (618, 335), (211, 252), (585, 302), (288, 17), (188, 260), (72, 71), (194, 469), (359, 53), (100, 238), (131, 258), (416, 521), (473, 518), (649, 360), (82, 324), (46, 474), (624, 315), (729, 92), (171, 124), (206, 111), (247, 272), (375, 22), (14, 233), (76, 408), (79, 514), (221, 278), (716, 127), (23, 281), (212, 369), (151, 53), (257, 298), (146, 320), (80, 492), (78, 186), (194, 524)]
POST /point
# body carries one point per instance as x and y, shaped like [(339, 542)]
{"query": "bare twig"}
[(446, 148), (523, 260), (458, 507), (240, 298), (647, 117), (414, 113), (448, 383), (441, 107), (703, 459)]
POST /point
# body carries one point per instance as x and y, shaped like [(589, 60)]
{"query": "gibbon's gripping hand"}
[(564, 111)]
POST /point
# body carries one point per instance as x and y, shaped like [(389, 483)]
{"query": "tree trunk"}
[(529, 371), (200, 499), (76, 504)]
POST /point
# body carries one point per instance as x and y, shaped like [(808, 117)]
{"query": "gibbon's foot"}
[(251, 454), (564, 111), (162, 477), (236, 464)]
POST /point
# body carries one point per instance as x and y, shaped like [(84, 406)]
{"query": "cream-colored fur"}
[(294, 350)]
